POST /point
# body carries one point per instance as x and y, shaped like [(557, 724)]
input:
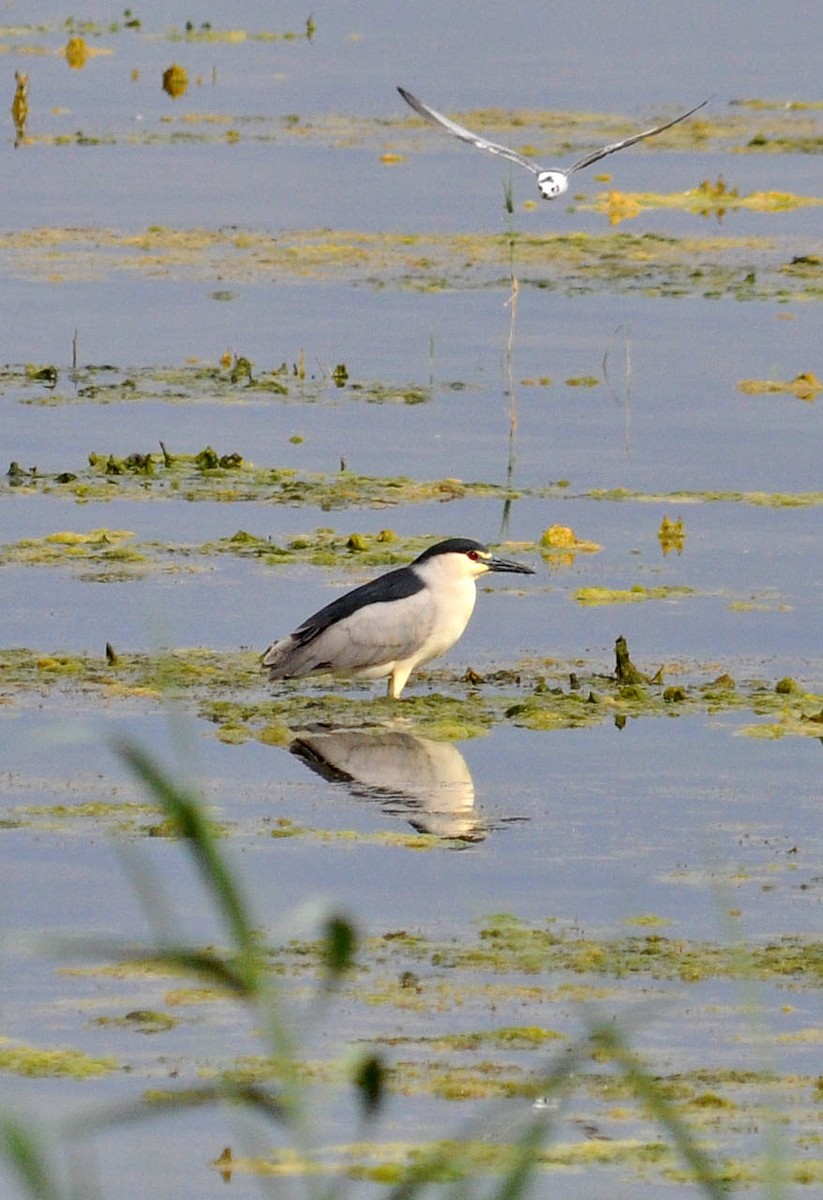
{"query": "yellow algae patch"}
[(98, 546), (777, 201), (558, 535), (805, 386), (561, 537), (648, 919), (813, 1036), (285, 828), (95, 537), (179, 997), (603, 595), (671, 535), (207, 34), (559, 544), (790, 724), (707, 199), (175, 80), (621, 207), (37, 1063), (440, 259), (78, 52), (147, 968)]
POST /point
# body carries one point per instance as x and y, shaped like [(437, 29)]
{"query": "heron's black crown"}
[(452, 546)]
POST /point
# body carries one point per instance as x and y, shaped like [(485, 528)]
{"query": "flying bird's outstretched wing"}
[(475, 139), (596, 155)]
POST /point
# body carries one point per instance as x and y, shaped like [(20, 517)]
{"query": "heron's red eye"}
[(473, 555)]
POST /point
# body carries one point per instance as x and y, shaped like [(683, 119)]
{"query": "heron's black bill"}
[(505, 564)]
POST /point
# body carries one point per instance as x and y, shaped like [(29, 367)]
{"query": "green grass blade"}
[(646, 1088), (24, 1155), (187, 813)]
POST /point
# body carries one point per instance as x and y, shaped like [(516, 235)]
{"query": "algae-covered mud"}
[(268, 335), (532, 694)]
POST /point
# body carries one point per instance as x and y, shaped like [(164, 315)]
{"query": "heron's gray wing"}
[(466, 135), (596, 155), (328, 635), (396, 585), (383, 632), (371, 636)]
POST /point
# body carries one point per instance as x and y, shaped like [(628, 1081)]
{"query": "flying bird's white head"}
[(552, 184)]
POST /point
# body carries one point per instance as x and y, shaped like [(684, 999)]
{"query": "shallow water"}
[(605, 399)]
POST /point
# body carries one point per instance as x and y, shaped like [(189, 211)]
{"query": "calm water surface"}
[(712, 834)]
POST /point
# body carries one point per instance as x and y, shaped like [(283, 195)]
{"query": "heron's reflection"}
[(425, 781)]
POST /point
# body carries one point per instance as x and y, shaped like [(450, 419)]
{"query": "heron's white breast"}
[(452, 599)]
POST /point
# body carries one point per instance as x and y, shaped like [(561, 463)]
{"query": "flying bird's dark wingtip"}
[(697, 107)]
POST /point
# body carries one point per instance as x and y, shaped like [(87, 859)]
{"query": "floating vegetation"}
[(34, 1062), (105, 547), (671, 535), (490, 1012), (142, 1020), (452, 1162), (285, 828), (77, 52), (707, 199), (207, 32), (583, 381), (805, 386), (470, 1017), (131, 22), (559, 545), (632, 595), (229, 692), (234, 380), (229, 477), (20, 107), (759, 499), (175, 81), (506, 943), (758, 104), (650, 263)]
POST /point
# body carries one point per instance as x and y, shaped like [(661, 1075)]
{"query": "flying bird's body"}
[(554, 182), (393, 624)]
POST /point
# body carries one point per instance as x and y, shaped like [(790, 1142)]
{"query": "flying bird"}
[(393, 624), (552, 183)]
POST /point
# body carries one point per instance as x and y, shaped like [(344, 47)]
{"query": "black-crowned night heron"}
[(554, 182), (393, 624)]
